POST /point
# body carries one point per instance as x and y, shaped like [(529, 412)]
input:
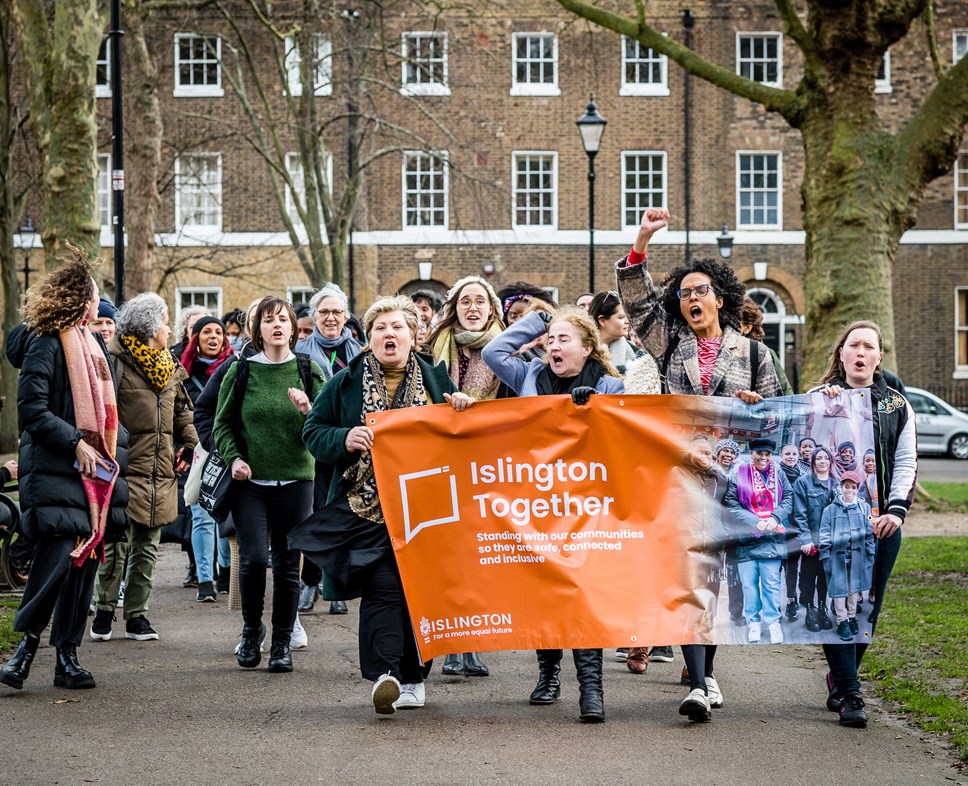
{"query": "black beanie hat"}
[(203, 321)]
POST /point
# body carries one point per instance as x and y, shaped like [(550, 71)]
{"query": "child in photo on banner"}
[(847, 552)]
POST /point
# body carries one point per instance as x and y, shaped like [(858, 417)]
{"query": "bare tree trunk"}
[(144, 155), (60, 74)]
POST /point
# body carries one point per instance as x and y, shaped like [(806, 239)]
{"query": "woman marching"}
[(855, 364), (577, 365), (349, 538), (692, 323), (469, 319), (262, 406), (73, 457)]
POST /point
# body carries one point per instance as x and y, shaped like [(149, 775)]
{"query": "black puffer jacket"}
[(52, 496)]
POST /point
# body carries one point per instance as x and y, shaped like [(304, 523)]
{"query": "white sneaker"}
[(386, 691), (299, 640), (753, 632), (776, 633), (412, 695), (696, 706), (715, 694)]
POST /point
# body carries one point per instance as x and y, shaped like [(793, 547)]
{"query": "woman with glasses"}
[(468, 320), (690, 324), (331, 343)]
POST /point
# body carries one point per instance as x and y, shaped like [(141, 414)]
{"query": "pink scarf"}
[(759, 496), (96, 416)]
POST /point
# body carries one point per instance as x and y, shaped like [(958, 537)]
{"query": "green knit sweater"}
[(271, 425)]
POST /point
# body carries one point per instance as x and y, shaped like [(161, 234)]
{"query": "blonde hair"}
[(388, 303), (588, 333), (61, 300)]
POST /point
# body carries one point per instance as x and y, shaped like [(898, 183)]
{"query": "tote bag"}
[(194, 481), (216, 488)]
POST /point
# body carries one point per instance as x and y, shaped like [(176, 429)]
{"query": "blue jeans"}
[(761, 589), (203, 543), (224, 552), (844, 659)]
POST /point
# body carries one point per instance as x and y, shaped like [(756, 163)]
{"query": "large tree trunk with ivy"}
[(862, 185), (143, 149), (9, 220), (61, 41)]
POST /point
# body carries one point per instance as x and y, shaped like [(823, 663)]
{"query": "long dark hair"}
[(603, 306), (813, 459), (836, 368), (268, 306), (725, 285)]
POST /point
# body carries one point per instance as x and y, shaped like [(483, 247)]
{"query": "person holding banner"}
[(812, 493), (577, 364), (855, 363), (348, 538), (469, 319), (691, 326)]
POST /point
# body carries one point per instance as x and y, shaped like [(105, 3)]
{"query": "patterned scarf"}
[(756, 495), (96, 416), (480, 383), (157, 364), (363, 495)]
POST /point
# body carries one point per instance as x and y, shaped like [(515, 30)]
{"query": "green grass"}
[(8, 639), (918, 658), (945, 497)]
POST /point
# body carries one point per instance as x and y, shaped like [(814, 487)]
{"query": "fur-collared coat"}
[(656, 329)]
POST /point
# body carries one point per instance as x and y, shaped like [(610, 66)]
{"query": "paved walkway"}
[(179, 711)]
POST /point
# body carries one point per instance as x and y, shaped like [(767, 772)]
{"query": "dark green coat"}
[(337, 410)]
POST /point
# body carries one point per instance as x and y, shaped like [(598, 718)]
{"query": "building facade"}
[(485, 171)]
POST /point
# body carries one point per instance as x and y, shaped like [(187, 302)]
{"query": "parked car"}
[(941, 427)]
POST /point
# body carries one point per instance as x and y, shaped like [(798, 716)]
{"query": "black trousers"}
[(813, 581), (387, 642), (55, 588), (263, 515), (734, 586), (699, 660), (791, 564)]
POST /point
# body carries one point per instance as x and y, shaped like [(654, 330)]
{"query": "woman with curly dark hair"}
[(691, 325), (73, 458)]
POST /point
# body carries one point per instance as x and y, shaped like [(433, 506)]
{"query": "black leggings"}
[(265, 514), (699, 660), (813, 581)]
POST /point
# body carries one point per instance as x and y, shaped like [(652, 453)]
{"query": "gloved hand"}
[(580, 395)]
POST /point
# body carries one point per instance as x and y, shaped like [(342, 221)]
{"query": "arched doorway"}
[(782, 329)]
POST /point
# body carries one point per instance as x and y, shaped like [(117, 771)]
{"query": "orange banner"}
[(533, 523)]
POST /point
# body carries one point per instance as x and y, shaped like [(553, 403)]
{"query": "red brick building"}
[(494, 180)]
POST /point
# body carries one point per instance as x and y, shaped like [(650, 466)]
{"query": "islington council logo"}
[(422, 492), (485, 624)]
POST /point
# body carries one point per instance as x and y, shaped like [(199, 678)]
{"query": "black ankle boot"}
[(248, 652), (280, 658), (548, 688), (68, 673), (823, 620), (591, 704), (474, 666), (17, 668), (811, 623), (453, 666)]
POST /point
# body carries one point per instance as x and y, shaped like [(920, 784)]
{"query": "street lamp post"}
[(725, 242), (591, 126), (27, 233)]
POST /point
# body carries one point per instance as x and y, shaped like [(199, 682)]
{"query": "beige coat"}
[(156, 422)]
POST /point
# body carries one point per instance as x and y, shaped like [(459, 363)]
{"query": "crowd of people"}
[(111, 416)]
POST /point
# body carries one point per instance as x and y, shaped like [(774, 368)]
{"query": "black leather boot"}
[(17, 668), (548, 688), (474, 666), (453, 666), (68, 673), (591, 704), (280, 658), (248, 652), (811, 623)]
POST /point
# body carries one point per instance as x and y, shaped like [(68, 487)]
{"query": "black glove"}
[(581, 394)]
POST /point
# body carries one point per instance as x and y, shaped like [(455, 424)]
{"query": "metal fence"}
[(956, 395)]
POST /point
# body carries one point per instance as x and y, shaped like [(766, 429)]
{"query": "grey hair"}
[(330, 290), (142, 317), (385, 305), (186, 314)]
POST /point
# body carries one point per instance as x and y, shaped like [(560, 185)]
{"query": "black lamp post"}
[(591, 126), (27, 233), (725, 242)]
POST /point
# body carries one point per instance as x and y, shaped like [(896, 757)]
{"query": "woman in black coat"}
[(60, 465)]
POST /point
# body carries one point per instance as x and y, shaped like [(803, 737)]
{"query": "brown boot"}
[(638, 660)]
